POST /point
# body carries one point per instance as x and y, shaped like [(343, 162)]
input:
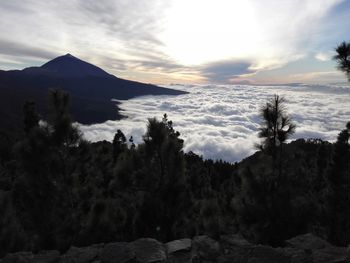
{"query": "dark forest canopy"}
[(58, 190)]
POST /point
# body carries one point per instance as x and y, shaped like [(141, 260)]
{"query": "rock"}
[(19, 257), (178, 245), (298, 255), (265, 254), (235, 240), (206, 248), (307, 242), (180, 257), (120, 252), (81, 255), (331, 255), (178, 251), (234, 248), (149, 250), (50, 256), (202, 249), (255, 254)]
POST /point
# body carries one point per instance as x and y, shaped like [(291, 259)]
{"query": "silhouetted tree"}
[(165, 161), (60, 121), (277, 126), (31, 116), (343, 58), (119, 144), (340, 186)]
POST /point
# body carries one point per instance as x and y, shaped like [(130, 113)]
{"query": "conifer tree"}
[(343, 58)]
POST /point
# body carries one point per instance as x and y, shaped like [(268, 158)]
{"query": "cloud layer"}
[(221, 122)]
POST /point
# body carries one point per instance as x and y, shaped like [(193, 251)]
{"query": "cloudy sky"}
[(181, 41)]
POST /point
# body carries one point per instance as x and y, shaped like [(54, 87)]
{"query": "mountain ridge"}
[(91, 88)]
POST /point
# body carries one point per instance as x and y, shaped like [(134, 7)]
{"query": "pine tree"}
[(343, 58), (276, 128)]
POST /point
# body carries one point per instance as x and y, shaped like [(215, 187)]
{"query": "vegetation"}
[(57, 190), (343, 58), (276, 128)]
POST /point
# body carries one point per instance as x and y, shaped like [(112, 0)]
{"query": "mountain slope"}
[(91, 89), (68, 66)]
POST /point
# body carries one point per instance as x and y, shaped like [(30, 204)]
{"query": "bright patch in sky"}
[(200, 32)]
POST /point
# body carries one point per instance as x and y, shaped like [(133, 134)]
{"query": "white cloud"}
[(221, 122), (324, 56)]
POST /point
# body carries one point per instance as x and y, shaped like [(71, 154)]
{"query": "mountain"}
[(92, 90), (68, 66)]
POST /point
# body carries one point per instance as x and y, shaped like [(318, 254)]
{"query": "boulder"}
[(307, 242), (205, 248), (178, 251), (331, 255), (178, 245), (120, 252), (148, 250), (234, 240), (50, 256), (298, 255), (266, 254), (19, 257), (234, 248), (255, 254), (81, 255)]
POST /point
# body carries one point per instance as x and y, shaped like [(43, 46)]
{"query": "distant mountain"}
[(68, 66), (92, 90)]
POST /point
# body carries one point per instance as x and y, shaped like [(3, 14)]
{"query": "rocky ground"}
[(230, 248)]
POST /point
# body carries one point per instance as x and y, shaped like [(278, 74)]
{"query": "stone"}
[(149, 250), (180, 257), (307, 242), (331, 255), (234, 248), (265, 254), (82, 254), (178, 245), (297, 255), (50, 256), (206, 248), (235, 240), (19, 257), (119, 252)]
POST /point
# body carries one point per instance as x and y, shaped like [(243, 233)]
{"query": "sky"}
[(181, 41)]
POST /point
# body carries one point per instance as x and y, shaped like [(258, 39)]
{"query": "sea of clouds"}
[(222, 121)]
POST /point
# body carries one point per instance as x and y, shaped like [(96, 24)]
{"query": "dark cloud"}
[(225, 71), (100, 27), (167, 66), (21, 50), (130, 20)]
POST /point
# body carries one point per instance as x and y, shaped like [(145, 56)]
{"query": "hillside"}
[(91, 90), (58, 190)]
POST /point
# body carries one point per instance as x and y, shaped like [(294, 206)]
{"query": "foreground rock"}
[(230, 248)]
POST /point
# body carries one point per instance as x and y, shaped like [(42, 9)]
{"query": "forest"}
[(59, 190)]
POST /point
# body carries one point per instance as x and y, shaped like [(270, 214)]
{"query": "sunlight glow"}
[(269, 34), (198, 31)]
